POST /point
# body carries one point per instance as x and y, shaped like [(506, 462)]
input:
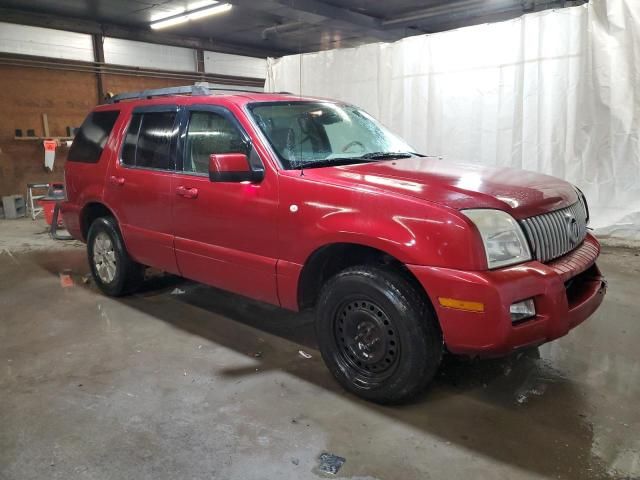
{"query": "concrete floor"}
[(207, 385)]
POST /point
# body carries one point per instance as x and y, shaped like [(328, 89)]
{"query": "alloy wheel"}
[(104, 257)]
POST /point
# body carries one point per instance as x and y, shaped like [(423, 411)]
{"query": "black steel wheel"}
[(377, 334), (366, 341)]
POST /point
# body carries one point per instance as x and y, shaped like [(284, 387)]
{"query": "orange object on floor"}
[(65, 280)]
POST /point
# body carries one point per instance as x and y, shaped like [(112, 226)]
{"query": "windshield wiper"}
[(387, 155), (366, 158), (331, 162)]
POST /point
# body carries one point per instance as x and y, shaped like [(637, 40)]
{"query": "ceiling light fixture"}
[(195, 14)]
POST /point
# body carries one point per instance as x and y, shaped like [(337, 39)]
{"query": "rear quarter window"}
[(92, 137)]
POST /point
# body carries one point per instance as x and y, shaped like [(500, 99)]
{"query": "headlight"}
[(504, 242)]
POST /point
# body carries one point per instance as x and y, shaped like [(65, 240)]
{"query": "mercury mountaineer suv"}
[(308, 203)]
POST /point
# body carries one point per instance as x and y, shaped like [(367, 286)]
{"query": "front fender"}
[(411, 230)]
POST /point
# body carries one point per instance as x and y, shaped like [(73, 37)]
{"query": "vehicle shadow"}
[(518, 410)]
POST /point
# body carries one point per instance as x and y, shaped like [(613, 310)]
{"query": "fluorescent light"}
[(225, 7), (174, 12), (191, 15), (170, 22)]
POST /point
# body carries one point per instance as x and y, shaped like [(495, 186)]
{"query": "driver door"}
[(225, 232)]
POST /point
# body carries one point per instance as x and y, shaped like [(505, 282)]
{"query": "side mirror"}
[(232, 167)]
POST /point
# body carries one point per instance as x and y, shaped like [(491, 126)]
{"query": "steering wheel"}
[(354, 143)]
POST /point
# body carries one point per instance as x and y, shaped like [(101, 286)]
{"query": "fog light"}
[(522, 310)]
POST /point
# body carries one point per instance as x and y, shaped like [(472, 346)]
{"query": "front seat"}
[(284, 141)]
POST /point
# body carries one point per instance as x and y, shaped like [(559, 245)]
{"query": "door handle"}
[(187, 192), (116, 180)]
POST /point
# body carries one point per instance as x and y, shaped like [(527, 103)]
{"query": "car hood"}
[(521, 193)]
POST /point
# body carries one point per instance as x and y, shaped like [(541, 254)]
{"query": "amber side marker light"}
[(465, 305)]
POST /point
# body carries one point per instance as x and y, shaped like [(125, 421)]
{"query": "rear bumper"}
[(565, 292)]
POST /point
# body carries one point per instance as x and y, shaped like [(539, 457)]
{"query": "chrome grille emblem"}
[(573, 230)]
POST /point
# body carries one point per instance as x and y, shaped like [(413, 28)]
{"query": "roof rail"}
[(199, 88)]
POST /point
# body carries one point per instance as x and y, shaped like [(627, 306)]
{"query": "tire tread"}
[(424, 329)]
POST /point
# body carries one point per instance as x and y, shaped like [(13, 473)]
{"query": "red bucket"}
[(48, 205)]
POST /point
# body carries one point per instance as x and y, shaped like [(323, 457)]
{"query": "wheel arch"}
[(330, 259), (90, 212)]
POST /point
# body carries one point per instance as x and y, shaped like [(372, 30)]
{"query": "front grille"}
[(554, 234)]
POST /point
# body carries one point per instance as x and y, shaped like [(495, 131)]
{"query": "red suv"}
[(304, 202)]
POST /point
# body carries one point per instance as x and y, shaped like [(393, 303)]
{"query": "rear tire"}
[(113, 270), (378, 334)]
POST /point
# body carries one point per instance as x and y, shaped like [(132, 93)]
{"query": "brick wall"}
[(66, 97), (25, 94)]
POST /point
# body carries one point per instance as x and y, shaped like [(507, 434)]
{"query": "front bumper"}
[(566, 292)]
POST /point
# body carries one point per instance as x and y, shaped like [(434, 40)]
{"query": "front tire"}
[(113, 270), (378, 334)]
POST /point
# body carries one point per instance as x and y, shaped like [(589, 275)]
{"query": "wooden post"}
[(45, 125)]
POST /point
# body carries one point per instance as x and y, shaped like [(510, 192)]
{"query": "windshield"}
[(315, 134)]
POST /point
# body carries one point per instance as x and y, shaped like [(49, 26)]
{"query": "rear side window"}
[(148, 140), (92, 137)]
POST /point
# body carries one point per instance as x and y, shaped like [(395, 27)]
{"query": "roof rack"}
[(199, 88)]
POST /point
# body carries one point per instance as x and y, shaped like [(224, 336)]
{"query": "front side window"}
[(315, 134), (148, 140), (210, 133), (91, 138)]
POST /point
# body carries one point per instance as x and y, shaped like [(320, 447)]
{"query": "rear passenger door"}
[(225, 232), (138, 186)]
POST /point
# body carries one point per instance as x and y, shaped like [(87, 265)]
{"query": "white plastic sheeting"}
[(556, 92), (45, 42)]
